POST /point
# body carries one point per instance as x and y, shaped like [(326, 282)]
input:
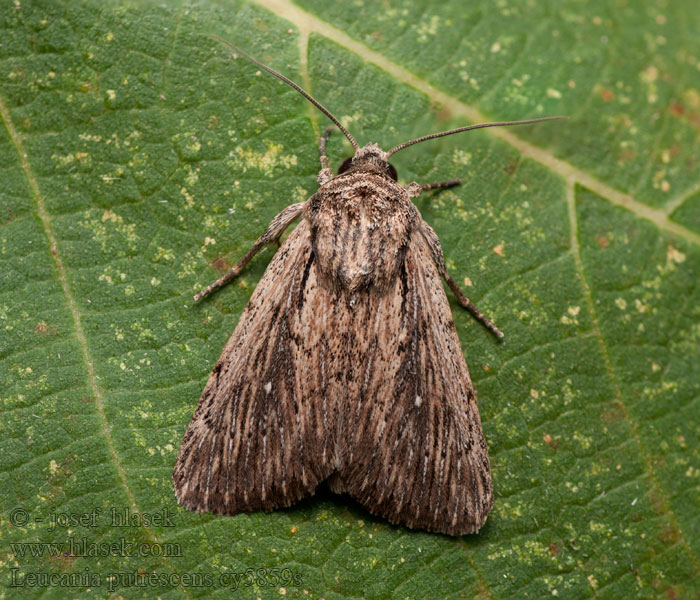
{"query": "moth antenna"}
[(467, 128), (289, 82)]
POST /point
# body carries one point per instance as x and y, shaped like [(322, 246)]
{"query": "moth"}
[(345, 365)]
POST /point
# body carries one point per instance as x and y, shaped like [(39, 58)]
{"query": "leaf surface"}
[(139, 160)]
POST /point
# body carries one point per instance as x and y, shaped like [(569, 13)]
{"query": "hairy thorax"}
[(360, 227)]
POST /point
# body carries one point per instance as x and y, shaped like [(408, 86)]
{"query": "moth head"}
[(369, 159)]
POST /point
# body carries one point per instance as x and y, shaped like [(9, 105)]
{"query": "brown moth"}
[(345, 365)]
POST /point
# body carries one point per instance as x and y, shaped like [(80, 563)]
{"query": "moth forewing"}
[(257, 440), (345, 365)]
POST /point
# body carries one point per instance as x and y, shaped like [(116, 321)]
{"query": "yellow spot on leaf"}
[(266, 161), (675, 255), (650, 74)]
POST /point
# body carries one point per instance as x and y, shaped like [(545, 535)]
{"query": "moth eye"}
[(345, 166), (392, 172)]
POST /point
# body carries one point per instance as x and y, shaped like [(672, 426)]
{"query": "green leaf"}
[(138, 159)]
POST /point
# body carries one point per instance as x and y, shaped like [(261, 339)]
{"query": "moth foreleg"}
[(325, 174), (272, 234), (416, 189), (439, 185), (436, 251)]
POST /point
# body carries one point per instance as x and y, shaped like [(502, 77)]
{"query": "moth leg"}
[(416, 189), (439, 185), (436, 250), (273, 233), (325, 174)]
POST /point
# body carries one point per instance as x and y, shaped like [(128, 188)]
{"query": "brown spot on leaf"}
[(676, 109), (42, 328), (550, 441), (221, 264), (606, 94), (554, 549), (628, 154)]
